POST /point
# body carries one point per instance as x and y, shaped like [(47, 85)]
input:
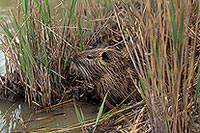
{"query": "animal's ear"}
[(105, 56)]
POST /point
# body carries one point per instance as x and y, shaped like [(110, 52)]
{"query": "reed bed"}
[(161, 37)]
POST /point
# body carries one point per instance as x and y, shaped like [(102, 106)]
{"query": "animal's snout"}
[(74, 58)]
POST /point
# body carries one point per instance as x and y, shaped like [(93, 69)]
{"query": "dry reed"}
[(163, 36)]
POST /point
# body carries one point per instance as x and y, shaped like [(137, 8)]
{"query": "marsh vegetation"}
[(163, 36)]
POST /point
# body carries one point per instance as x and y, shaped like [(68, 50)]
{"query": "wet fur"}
[(109, 71)]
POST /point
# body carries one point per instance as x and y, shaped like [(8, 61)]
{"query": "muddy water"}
[(11, 113)]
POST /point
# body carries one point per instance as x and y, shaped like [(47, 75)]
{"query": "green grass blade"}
[(166, 126), (173, 23), (65, 63), (101, 109), (82, 116), (15, 20), (31, 28), (141, 85), (26, 56), (8, 33), (80, 35), (25, 6), (48, 8), (127, 98), (44, 16), (28, 49), (181, 32), (21, 59), (37, 2), (78, 114), (16, 24), (88, 20), (72, 11), (108, 7), (45, 55)]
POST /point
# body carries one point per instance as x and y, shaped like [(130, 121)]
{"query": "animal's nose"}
[(73, 57)]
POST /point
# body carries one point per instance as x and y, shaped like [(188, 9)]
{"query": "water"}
[(2, 63), (5, 5), (11, 113)]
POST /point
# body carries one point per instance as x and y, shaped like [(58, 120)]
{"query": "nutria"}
[(109, 71)]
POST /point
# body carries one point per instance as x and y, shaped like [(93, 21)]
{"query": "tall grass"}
[(168, 33), (39, 42), (161, 37)]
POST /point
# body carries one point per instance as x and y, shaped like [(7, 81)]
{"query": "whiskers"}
[(82, 70)]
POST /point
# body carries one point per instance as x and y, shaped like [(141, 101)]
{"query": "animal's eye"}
[(105, 56), (89, 57)]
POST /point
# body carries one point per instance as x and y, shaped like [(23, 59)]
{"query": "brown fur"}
[(109, 71)]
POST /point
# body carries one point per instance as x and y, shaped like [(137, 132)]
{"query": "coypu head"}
[(94, 64), (109, 71)]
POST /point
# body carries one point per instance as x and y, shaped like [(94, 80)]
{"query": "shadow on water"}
[(12, 113)]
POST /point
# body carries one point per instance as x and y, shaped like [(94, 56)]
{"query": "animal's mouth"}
[(74, 69), (80, 70)]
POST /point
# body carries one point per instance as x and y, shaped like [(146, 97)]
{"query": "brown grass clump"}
[(163, 36)]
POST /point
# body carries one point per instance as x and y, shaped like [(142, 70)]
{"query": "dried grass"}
[(161, 37)]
